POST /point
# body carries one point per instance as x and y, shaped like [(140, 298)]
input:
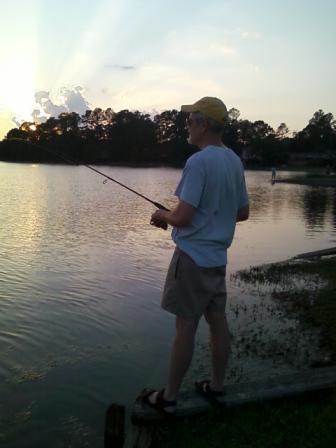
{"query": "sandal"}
[(204, 389), (160, 404)]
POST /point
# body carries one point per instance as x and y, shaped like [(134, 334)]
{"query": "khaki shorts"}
[(190, 290)]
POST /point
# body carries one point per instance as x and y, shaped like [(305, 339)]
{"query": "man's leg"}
[(181, 357), (220, 346)]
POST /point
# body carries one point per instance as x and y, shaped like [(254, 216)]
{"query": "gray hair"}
[(214, 126)]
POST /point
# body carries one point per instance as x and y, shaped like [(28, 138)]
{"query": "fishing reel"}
[(158, 223), (161, 224)]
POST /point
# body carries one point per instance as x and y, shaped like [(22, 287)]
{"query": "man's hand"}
[(243, 213), (157, 220), (181, 216)]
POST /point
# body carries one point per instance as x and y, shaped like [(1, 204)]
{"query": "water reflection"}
[(81, 273), (278, 199), (315, 203), (333, 209)]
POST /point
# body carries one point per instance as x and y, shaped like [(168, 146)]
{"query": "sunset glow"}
[(116, 54)]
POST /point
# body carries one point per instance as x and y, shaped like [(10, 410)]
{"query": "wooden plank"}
[(138, 437), (190, 403), (114, 426), (317, 253)]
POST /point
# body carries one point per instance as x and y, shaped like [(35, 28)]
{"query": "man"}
[(273, 174), (212, 198)]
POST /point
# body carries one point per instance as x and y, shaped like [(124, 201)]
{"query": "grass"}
[(316, 305), (307, 421)]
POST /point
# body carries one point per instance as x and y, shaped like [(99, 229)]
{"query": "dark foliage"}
[(105, 137)]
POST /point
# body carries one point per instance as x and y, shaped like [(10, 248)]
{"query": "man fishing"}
[(212, 197)]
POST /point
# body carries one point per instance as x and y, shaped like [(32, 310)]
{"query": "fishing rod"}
[(68, 160)]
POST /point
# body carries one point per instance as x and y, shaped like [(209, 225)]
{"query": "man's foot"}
[(155, 399), (204, 389)]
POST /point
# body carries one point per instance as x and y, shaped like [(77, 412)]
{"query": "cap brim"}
[(188, 108)]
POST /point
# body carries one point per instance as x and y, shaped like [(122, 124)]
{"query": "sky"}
[(271, 60)]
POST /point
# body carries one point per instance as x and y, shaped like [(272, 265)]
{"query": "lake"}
[(81, 274)]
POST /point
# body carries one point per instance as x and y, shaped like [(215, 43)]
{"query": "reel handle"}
[(162, 225)]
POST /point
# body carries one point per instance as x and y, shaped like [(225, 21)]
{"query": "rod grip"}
[(164, 225), (161, 207)]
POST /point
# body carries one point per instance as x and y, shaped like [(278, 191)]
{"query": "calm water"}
[(81, 273)]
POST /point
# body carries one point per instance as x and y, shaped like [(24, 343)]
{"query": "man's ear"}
[(205, 124)]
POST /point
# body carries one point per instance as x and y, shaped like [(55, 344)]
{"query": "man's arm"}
[(243, 213), (181, 216)]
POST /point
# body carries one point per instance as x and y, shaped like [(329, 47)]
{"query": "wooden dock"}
[(190, 403), (317, 253)]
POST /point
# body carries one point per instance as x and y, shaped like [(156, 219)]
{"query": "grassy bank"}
[(308, 422), (305, 421), (316, 306)]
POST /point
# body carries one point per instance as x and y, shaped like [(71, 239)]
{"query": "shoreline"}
[(117, 164), (304, 417), (322, 182), (301, 287)]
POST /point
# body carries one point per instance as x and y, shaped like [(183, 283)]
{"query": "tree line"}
[(107, 137)]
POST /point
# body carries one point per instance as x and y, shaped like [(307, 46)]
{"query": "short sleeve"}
[(243, 197), (191, 185)]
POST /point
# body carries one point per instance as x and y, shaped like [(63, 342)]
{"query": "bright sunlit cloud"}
[(18, 80), (250, 35)]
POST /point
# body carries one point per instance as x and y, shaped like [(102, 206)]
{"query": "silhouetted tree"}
[(282, 131), (104, 136), (319, 135)]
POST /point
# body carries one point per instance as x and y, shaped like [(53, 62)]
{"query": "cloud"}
[(190, 47), (159, 87), (254, 68), (16, 120), (120, 67), (69, 99), (223, 49), (48, 107), (37, 117), (72, 100), (250, 35)]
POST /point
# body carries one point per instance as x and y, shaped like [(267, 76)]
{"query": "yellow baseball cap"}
[(209, 106)]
